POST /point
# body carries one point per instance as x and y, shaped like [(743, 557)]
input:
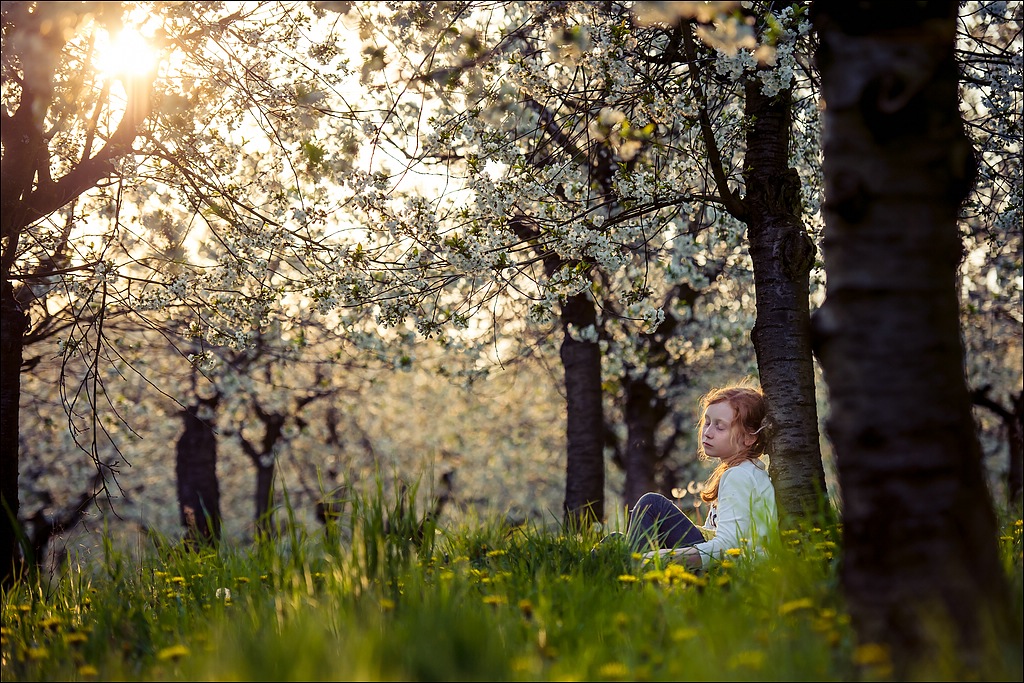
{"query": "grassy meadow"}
[(378, 597)]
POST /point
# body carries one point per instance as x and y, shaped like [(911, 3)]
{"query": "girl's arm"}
[(735, 492)]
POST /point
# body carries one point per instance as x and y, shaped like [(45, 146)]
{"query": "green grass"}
[(360, 601)]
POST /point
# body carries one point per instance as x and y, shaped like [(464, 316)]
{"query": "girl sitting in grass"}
[(733, 430)]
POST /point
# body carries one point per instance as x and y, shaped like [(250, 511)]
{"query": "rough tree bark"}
[(782, 254), (921, 570), (584, 469)]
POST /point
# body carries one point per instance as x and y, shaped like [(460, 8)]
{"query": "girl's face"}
[(722, 438)]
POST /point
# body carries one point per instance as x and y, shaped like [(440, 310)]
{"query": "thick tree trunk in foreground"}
[(196, 470), (782, 253), (584, 471), (921, 573), (13, 324)]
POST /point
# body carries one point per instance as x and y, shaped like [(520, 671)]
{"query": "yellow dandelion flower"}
[(178, 579), (24, 608), (387, 604), (726, 564), (88, 671), (794, 605), (871, 654), (159, 574), (526, 607), (242, 579), (37, 653), (495, 600), (750, 659), (655, 576), (733, 552), (197, 576), (50, 623), (495, 553), (446, 575), (76, 638), (681, 634), (691, 579), (173, 653), (637, 556), (722, 581), (627, 578), (613, 670)]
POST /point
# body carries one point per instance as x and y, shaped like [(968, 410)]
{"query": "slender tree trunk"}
[(643, 413), (584, 472), (196, 470), (921, 571), (264, 494), (13, 325), (1013, 422), (782, 253), (1015, 437)]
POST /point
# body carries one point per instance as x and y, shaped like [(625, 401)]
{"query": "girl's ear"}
[(749, 440)]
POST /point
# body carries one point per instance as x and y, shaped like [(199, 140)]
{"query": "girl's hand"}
[(688, 557)]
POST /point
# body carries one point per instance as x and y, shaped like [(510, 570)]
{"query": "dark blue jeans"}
[(656, 522)]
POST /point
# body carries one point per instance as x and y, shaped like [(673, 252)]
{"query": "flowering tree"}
[(587, 147), (112, 181), (989, 53)]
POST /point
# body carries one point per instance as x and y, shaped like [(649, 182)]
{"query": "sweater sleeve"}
[(735, 492)]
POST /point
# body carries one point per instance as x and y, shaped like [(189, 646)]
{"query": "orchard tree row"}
[(244, 212)]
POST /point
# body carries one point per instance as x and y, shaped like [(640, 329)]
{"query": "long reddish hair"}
[(751, 420)]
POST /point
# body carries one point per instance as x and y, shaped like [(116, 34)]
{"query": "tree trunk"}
[(921, 571), (584, 471), (644, 411), (264, 495), (1015, 437), (196, 470), (782, 254), (13, 325), (1013, 422)]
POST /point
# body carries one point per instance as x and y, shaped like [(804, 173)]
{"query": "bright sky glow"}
[(127, 54)]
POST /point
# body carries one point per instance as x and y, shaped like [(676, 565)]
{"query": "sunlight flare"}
[(127, 54)]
